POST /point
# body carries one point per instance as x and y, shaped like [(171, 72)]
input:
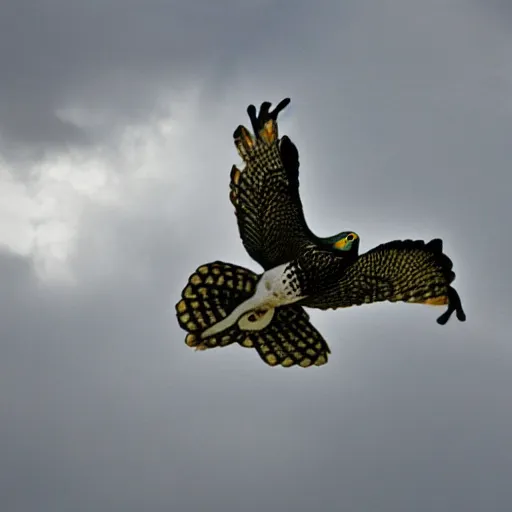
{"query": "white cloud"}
[(42, 218), (16, 210)]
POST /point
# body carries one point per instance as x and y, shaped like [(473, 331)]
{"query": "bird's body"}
[(301, 269)]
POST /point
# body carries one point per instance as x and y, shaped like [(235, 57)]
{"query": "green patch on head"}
[(345, 241)]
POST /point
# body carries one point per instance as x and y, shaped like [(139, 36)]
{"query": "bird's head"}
[(345, 242)]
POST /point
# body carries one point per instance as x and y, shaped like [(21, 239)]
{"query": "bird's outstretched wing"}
[(265, 193), (407, 271)]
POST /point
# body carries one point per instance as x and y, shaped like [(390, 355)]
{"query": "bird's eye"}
[(350, 237)]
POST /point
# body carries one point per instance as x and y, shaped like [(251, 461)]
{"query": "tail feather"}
[(215, 289)]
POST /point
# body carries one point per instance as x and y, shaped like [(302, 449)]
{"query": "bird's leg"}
[(276, 287), (257, 301), (256, 320), (454, 305)]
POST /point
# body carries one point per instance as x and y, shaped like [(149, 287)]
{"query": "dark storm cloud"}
[(401, 113), (120, 57)]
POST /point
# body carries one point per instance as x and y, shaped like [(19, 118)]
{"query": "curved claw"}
[(280, 106), (265, 114), (454, 304), (251, 111), (265, 110)]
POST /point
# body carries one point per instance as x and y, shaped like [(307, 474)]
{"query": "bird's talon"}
[(454, 304), (259, 120)]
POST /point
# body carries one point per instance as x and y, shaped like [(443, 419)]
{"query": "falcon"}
[(224, 304)]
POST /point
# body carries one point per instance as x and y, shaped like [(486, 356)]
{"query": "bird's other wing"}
[(265, 193), (406, 271), (215, 289)]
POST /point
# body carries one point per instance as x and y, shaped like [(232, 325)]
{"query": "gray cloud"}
[(401, 112), (120, 58)]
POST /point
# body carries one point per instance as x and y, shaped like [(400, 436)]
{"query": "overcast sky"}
[(116, 121)]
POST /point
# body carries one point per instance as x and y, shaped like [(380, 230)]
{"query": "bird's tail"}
[(215, 289)]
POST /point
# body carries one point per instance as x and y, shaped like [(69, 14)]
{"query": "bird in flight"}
[(223, 303)]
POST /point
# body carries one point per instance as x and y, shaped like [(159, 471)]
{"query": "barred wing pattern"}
[(274, 231), (265, 193), (406, 271)]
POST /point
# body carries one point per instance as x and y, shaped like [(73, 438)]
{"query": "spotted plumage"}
[(266, 192), (407, 271), (215, 289), (224, 304)]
